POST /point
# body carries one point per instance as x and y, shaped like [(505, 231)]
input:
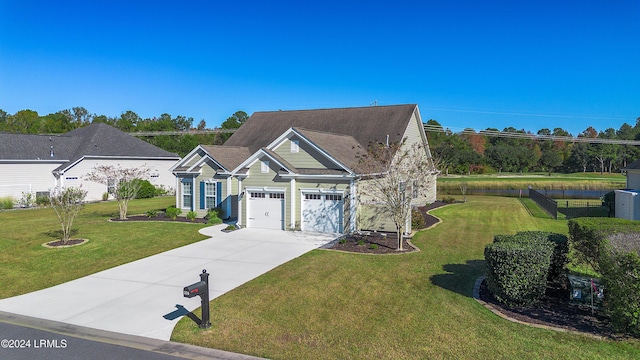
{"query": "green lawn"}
[(27, 266), (330, 305)]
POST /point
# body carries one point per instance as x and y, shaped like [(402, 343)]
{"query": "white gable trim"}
[(203, 159), (255, 157), (287, 134), (187, 157)]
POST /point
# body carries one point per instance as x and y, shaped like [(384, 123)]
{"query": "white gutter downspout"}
[(228, 199), (240, 196), (293, 204)]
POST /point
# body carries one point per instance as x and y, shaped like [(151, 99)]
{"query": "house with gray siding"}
[(297, 170)]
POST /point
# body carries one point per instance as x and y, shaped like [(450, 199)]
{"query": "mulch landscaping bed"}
[(160, 217), (554, 310), (380, 242), (69, 242)]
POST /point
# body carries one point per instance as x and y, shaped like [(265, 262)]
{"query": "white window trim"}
[(264, 166), (295, 146), (187, 206), (208, 197)]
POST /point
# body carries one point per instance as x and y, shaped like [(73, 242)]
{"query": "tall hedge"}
[(517, 271), (612, 247), (621, 278)]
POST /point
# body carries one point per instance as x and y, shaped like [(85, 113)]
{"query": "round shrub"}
[(147, 190), (517, 272), (559, 242), (417, 220)]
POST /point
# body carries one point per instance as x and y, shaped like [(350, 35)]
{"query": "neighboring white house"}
[(297, 170), (39, 163)]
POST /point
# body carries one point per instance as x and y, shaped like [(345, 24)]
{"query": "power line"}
[(520, 135), (181, 132)]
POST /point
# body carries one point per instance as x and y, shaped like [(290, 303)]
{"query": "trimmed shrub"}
[(213, 216), (214, 220), (191, 215), (560, 243), (151, 213), (517, 271), (147, 190), (43, 200), (7, 203), (172, 212), (417, 220)]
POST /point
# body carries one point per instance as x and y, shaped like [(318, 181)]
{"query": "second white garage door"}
[(322, 212), (265, 210)]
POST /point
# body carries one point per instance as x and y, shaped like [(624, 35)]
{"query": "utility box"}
[(627, 204), (585, 291)]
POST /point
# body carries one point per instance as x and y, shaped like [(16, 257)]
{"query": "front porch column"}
[(292, 184), (353, 208)]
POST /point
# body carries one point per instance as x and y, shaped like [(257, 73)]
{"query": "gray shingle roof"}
[(364, 124), (97, 139), (228, 156), (344, 148), (37, 147), (633, 166)]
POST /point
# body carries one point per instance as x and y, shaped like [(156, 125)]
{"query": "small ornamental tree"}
[(394, 175), (67, 203), (123, 183)]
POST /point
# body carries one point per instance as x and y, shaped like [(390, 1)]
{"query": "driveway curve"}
[(144, 297)]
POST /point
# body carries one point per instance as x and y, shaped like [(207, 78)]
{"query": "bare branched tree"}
[(394, 177), (123, 183), (67, 204)]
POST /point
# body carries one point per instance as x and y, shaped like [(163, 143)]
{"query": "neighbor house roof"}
[(95, 140), (364, 124), (633, 166), (58, 148)]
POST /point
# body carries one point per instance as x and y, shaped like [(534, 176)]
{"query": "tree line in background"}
[(467, 152), (470, 152), (30, 122)]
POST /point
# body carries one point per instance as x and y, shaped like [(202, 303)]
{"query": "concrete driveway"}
[(145, 298)]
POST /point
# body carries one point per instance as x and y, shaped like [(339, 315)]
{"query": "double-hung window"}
[(187, 194), (210, 195)]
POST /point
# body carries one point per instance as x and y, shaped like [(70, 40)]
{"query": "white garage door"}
[(265, 210), (322, 212)]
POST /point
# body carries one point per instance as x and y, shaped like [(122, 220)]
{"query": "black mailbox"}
[(201, 288), (196, 289)]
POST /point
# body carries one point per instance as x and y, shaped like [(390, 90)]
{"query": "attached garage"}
[(265, 209), (322, 212)]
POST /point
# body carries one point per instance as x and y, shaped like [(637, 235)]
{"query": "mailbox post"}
[(201, 288)]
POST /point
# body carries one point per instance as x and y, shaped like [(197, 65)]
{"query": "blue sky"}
[(475, 64)]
